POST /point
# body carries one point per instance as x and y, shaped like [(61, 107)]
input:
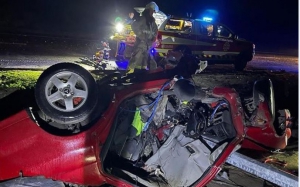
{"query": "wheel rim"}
[(66, 91)]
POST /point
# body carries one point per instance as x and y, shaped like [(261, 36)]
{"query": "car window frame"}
[(199, 23), (228, 29), (163, 25)]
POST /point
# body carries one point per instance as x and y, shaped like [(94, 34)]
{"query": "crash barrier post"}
[(262, 170)]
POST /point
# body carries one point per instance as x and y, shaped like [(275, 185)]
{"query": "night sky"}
[(265, 22)]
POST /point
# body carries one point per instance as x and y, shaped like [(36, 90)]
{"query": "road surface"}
[(261, 62)]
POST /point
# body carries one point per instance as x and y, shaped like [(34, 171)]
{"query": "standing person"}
[(145, 30), (129, 42), (210, 29), (129, 20)]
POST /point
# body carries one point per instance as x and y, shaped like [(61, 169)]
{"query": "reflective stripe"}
[(219, 53), (162, 50), (162, 54), (140, 67), (217, 56), (177, 40), (214, 53), (171, 40)]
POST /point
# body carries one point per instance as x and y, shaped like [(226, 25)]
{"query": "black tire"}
[(51, 109), (240, 65)]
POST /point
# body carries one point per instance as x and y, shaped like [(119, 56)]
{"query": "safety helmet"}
[(153, 6)]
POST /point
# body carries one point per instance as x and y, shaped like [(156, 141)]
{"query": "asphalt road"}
[(260, 62), (273, 62)]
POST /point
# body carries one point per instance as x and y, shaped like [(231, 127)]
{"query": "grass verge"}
[(18, 79), (290, 157)]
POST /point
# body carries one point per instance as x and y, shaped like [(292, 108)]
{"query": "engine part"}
[(146, 105), (132, 149), (184, 89), (221, 128), (196, 124)]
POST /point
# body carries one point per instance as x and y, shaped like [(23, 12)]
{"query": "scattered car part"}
[(262, 170)]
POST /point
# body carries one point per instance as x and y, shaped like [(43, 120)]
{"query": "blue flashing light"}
[(208, 19), (122, 65), (152, 51), (121, 49)]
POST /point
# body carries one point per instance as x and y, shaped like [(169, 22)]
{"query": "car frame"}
[(78, 157)]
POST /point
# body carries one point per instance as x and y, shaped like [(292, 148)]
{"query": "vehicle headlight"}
[(119, 27)]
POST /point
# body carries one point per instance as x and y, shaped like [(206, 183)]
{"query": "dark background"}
[(267, 23)]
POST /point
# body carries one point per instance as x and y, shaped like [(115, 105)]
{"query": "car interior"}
[(190, 133)]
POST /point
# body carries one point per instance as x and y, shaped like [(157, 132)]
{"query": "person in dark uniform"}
[(145, 29)]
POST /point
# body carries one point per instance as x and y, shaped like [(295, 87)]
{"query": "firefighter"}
[(145, 30)]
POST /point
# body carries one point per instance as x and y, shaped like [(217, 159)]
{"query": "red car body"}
[(264, 137), (28, 150)]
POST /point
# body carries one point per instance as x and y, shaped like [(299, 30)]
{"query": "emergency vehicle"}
[(211, 41)]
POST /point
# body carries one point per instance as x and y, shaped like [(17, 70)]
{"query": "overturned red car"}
[(150, 129)]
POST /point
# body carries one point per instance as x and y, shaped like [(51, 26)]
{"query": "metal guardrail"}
[(262, 170)]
